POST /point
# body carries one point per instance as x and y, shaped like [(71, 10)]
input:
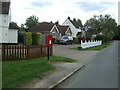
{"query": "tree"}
[(22, 28), (79, 22), (105, 24), (31, 22), (118, 32), (117, 35), (93, 25)]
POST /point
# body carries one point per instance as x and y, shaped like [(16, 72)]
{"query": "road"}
[(100, 72)]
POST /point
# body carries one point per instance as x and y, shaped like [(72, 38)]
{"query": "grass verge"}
[(17, 73), (60, 59), (95, 47)]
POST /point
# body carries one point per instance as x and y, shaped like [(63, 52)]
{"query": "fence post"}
[(3, 52)]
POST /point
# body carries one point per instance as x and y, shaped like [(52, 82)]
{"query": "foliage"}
[(117, 35), (18, 73), (61, 59), (92, 24), (22, 28), (36, 38), (31, 22), (28, 38), (88, 38), (104, 38), (54, 40), (79, 22), (102, 23), (92, 38), (76, 40)]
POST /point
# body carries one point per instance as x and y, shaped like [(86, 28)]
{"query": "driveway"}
[(81, 56)]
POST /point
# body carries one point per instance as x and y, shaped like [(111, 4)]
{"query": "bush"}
[(54, 40), (76, 40), (104, 38), (92, 38), (27, 38), (36, 38)]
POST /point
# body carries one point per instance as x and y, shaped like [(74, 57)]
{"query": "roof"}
[(43, 27), (75, 23), (62, 29), (5, 6), (13, 26)]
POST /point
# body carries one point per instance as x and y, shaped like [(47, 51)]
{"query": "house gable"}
[(72, 26), (68, 32), (54, 29)]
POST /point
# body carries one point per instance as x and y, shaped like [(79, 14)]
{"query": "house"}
[(8, 31), (74, 26), (64, 30), (50, 28), (46, 28)]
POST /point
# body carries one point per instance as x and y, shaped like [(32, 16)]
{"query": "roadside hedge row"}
[(36, 38), (104, 38), (32, 38)]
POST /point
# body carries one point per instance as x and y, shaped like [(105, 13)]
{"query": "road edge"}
[(64, 78)]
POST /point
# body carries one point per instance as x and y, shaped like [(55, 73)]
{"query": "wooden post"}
[(48, 52)]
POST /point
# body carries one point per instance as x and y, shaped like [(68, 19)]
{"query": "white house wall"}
[(4, 25), (4, 35), (13, 36), (72, 27), (5, 20)]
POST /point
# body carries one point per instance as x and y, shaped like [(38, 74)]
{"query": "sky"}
[(59, 10)]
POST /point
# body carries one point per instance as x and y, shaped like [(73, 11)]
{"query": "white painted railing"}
[(90, 44)]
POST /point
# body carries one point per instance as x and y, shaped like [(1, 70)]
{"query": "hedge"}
[(27, 38), (104, 38), (36, 38), (54, 40), (76, 40)]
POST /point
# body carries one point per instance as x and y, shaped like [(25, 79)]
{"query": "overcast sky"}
[(53, 10)]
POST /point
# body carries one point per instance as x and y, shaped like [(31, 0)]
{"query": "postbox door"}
[(48, 40)]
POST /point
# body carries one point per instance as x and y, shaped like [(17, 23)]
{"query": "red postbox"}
[(48, 40)]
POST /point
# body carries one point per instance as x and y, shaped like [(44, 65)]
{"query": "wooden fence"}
[(24, 52)]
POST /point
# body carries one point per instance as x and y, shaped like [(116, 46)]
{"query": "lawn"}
[(18, 73), (95, 47)]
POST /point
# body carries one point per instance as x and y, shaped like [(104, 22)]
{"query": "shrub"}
[(36, 38), (39, 38), (27, 38), (92, 38), (54, 40), (104, 38), (76, 40)]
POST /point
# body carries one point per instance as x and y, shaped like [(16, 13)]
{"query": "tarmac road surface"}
[(100, 72)]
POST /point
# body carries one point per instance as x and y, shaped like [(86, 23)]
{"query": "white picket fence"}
[(90, 44)]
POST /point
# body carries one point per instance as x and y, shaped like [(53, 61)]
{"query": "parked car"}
[(65, 40)]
